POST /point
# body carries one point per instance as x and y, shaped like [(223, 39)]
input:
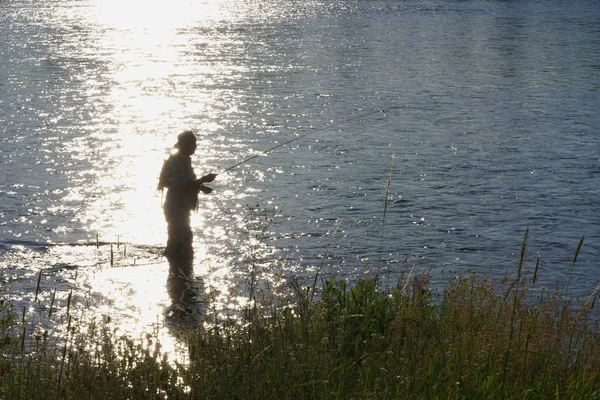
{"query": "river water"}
[(488, 123)]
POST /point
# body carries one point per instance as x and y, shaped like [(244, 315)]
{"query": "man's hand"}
[(205, 189), (208, 178), (199, 183)]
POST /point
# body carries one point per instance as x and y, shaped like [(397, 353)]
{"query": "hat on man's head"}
[(185, 137)]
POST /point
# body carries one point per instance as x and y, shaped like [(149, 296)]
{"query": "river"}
[(480, 123)]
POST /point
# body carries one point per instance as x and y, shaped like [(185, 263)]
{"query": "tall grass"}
[(478, 337)]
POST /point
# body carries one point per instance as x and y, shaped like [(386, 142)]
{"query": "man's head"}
[(186, 142)]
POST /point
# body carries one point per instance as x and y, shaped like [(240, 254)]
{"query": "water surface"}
[(489, 123)]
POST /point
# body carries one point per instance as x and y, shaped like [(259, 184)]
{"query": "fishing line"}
[(264, 152)]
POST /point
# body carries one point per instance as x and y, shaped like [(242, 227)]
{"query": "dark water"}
[(491, 125)]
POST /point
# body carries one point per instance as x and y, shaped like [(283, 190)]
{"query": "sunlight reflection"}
[(138, 305), (154, 16), (161, 72), (146, 42), (142, 46)]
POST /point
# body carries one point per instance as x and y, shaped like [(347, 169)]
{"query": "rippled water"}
[(490, 125)]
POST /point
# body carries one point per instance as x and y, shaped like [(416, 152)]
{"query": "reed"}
[(565, 287), (478, 337), (37, 286), (385, 207)]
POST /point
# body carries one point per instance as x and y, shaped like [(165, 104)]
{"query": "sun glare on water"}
[(154, 17), (142, 47)]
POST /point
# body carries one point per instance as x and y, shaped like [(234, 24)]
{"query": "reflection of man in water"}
[(177, 175)]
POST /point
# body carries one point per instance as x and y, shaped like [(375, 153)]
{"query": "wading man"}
[(178, 177)]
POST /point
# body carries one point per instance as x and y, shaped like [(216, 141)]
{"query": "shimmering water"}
[(491, 126)]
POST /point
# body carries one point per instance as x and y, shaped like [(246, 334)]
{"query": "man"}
[(177, 175)]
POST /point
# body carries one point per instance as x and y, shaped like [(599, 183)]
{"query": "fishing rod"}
[(364, 115)]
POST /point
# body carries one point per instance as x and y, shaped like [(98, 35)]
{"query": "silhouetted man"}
[(177, 175)]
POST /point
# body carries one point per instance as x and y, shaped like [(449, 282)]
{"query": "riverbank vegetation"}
[(478, 337)]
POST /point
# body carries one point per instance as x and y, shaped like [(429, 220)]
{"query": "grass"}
[(478, 337)]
